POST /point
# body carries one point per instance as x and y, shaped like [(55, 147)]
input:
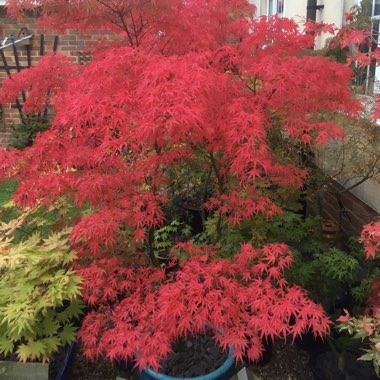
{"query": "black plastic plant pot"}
[(193, 218), (64, 369), (224, 372), (329, 365)]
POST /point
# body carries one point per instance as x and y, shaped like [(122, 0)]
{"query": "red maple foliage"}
[(188, 83), (370, 237), (123, 120), (245, 299)]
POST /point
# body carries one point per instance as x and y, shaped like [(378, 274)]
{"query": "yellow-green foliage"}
[(38, 295)]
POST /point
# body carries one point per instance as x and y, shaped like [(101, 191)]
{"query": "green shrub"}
[(24, 133), (326, 272)]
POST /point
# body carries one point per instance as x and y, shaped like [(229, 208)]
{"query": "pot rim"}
[(217, 373)]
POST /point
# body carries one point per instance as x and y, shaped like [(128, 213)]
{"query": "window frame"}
[(272, 8)]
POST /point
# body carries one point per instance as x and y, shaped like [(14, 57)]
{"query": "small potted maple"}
[(188, 84)]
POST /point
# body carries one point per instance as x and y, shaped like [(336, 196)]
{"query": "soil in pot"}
[(81, 368), (195, 356)]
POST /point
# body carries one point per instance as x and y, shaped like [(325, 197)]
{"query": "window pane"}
[(276, 7), (377, 7), (280, 8)]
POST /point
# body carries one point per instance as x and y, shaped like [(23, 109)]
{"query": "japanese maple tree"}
[(193, 83)]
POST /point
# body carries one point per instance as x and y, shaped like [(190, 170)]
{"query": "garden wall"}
[(352, 212), (71, 43)]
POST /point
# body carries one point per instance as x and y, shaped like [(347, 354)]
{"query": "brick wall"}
[(72, 43)]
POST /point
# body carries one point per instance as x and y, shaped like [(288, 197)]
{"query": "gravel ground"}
[(82, 369), (288, 362)]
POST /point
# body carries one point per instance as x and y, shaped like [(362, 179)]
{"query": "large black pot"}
[(63, 372), (192, 213), (329, 365)]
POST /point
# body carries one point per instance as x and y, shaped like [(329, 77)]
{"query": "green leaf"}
[(74, 310), (52, 344), (6, 346), (31, 351), (367, 356), (361, 334), (68, 334), (50, 327)]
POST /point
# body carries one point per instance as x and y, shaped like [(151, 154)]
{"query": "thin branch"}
[(120, 14), (151, 253), (134, 28), (204, 194), (221, 186)]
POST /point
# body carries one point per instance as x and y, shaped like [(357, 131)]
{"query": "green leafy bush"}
[(326, 272), (168, 235), (7, 188), (24, 133), (290, 228), (39, 295)]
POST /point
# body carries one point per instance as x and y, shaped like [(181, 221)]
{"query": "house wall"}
[(295, 9), (333, 9), (332, 13)]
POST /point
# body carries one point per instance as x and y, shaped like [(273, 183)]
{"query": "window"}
[(374, 71), (276, 7), (377, 8), (367, 79)]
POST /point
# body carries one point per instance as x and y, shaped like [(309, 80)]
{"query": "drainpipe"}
[(311, 9)]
